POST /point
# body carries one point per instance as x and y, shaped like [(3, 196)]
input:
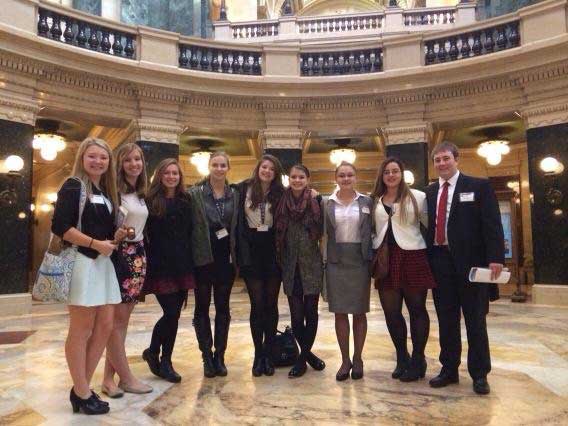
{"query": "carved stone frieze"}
[(156, 132), (545, 115), (282, 138), (14, 110), (398, 135)]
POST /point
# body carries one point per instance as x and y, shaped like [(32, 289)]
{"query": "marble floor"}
[(529, 379)]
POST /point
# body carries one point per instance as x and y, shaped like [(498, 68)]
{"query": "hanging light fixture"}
[(342, 152), (200, 160), (493, 150), (47, 141)]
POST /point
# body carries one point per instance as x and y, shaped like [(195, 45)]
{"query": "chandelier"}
[(342, 152), (493, 151), (200, 160), (47, 141)]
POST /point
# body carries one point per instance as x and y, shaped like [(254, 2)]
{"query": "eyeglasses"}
[(391, 172)]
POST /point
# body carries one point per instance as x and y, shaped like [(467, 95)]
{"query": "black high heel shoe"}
[(401, 366), (343, 375), (316, 363), (89, 406), (153, 361), (357, 370), (415, 371)]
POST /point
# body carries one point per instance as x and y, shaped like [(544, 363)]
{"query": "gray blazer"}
[(365, 222)]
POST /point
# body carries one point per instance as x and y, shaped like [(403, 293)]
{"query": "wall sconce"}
[(11, 168), (409, 177), (552, 168)]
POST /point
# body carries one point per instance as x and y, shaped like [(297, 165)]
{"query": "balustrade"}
[(429, 17), (340, 63), (344, 23), (227, 61), (473, 43), (77, 32), (255, 30)]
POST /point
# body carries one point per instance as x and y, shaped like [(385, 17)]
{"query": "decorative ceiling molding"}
[(407, 134), (22, 112), (545, 115), (282, 139)]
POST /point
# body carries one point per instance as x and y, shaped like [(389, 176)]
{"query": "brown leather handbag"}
[(380, 265)]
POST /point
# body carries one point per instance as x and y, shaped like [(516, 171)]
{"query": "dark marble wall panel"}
[(154, 152), (415, 158), (549, 212), (491, 8), (288, 157), (93, 7), (15, 231)]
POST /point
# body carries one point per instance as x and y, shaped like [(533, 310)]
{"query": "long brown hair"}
[(156, 198), (108, 179), (122, 184), (403, 194), (276, 188)]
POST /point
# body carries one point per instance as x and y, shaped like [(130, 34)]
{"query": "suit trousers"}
[(453, 296)]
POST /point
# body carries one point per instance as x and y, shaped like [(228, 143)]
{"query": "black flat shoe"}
[(357, 371), (416, 370), (444, 379), (153, 361), (401, 366), (219, 362), (481, 387), (315, 362), (343, 374), (258, 366), (90, 406), (268, 366), (298, 370), (167, 371)]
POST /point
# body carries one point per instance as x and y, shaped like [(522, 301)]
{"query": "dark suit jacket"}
[(475, 233)]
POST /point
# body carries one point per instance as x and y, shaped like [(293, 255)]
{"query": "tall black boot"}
[(222, 323), (205, 340)]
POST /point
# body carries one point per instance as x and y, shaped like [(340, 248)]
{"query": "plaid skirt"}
[(408, 270)]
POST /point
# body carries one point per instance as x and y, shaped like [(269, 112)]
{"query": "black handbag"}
[(284, 351)]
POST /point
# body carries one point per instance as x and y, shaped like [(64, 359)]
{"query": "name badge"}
[(467, 197), (97, 199), (365, 210), (222, 233), (262, 228)]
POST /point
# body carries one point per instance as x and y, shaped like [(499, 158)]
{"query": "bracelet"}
[(91, 243)]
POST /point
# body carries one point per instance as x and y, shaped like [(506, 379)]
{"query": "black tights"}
[(391, 301), (263, 311), (304, 313), (165, 330)]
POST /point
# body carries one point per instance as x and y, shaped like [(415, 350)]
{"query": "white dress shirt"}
[(137, 214), (347, 229), (451, 189), (254, 217)]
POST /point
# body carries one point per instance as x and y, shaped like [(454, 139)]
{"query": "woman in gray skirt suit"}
[(349, 252)]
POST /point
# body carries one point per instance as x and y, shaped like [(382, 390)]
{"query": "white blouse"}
[(137, 214), (254, 217), (347, 229)]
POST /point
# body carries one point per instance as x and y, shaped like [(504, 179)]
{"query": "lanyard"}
[(262, 212), (220, 206)]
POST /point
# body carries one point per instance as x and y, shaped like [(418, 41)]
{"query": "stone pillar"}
[(410, 145), (547, 133), (286, 145)]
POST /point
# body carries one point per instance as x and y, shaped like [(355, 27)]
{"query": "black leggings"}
[(263, 295), (391, 301), (304, 313), (165, 330)]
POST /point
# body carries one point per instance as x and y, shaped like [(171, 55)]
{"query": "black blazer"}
[(475, 233)]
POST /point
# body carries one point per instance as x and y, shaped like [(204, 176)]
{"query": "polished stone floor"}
[(529, 379)]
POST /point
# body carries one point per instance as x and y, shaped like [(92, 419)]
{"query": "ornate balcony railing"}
[(472, 43), (256, 29), (340, 63), (429, 17), (341, 23), (86, 34), (223, 60)]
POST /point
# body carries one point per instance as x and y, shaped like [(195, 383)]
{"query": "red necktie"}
[(441, 215)]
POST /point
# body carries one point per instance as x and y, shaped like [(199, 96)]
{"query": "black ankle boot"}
[(258, 366), (416, 369), (89, 406), (219, 362), (315, 362), (299, 368), (167, 371), (209, 369), (153, 361), (268, 366), (401, 366)]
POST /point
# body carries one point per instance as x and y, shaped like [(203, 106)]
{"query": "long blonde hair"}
[(122, 184), (108, 179), (403, 194)]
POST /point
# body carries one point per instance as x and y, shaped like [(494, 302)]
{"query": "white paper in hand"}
[(483, 275)]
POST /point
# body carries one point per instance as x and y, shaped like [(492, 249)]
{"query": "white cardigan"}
[(407, 235)]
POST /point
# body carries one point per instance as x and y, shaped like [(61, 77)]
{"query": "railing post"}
[(540, 22), (22, 15), (404, 52), (158, 46), (465, 13), (282, 60), (287, 27), (222, 31), (394, 20)]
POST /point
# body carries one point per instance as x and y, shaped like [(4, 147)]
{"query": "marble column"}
[(286, 145), (94, 7), (15, 222), (410, 145)]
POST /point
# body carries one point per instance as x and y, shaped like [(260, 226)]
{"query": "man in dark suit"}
[(464, 231)]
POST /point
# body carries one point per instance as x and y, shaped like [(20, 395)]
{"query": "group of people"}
[(173, 240)]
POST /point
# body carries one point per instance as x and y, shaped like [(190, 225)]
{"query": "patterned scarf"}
[(305, 209)]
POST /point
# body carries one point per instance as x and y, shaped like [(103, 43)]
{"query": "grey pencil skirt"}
[(349, 281)]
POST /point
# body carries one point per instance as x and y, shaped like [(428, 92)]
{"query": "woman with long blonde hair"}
[(94, 287), (398, 212), (130, 265)]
